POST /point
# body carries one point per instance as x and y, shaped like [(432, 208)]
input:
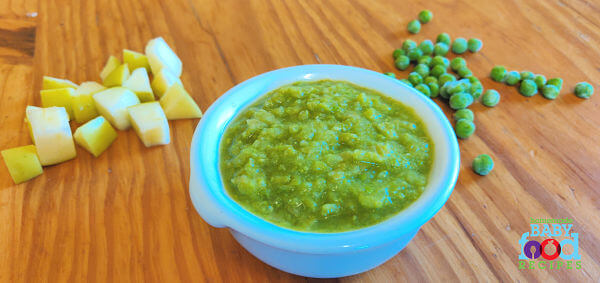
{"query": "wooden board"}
[(126, 216)]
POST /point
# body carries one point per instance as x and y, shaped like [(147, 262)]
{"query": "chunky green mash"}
[(325, 156)]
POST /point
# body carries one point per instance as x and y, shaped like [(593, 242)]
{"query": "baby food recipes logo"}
[(546, 251)]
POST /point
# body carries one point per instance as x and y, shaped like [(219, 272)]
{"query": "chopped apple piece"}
[(23, 163), (135, 60), (178, 104), (111, 64), (160, 56), (59, 97), (139, 83), (84, 108), (95, 136), (117, 77), (51, 83), (150, 123), (51, 134), (162, 81), (112, 103)]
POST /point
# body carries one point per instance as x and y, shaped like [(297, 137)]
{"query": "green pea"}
[(464, 72), (406, 82), (445, 78), (584, 90), (528, 88), (550, 91), (472, 79), (512, 78), (424, 89), (444, 38), (434, 89), (440, 60), (498, 73), (474, 45), (457, 63), (414, 54), (415, 78), (440, 49), (430, 79), (458, 86), (476, 89), (540, 81), (527, 75), (460, 100), (414, 27), (490, 98), (464, 128), (425, 60), (408, 45), (422, 69), (425, 16), (402, 62), (398, 52), (426, 47), (557, 82), (483, 164), (438, 70), (390, 75), (459, 46), (464, 114)]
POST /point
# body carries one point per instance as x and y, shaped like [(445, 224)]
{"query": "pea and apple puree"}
[(325, 156)]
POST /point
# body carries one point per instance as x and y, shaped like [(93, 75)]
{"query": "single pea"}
[(414, 54), (557, 82), (424, 89), (476, 90), (584, 90), (415, 78), (402, 62), (406, 82), (464, 128), (409, 44), (464, 72), (440, 49), (430, 79), (490, 98), (459, 46), (444, 38), (464, 114), (425, 16), (512, 78), (528, 88), (426, 47), (425, 60), (458, 86), (414, 27), (440, 60), (460, 100), (498, 73), (390, 75), (527, 75), (540, 81), (422, 69), (438, 70), (457, 63), (398, 52), (483, 164), (434, 89), (445, 78), (472, 79), (550, 91), (474, 45)]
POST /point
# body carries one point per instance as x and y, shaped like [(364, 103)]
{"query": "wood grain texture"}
[(126, 216)]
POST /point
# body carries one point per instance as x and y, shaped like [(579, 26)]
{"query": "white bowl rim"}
[(218, 209)]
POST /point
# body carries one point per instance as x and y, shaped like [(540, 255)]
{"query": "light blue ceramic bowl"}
[(318, 254)]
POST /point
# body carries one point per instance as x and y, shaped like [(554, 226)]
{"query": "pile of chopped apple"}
[(143, 91)]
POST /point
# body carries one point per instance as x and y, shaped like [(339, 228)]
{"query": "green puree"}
[(325, 156)]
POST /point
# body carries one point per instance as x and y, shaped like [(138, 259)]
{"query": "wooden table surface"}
[(126, 216)]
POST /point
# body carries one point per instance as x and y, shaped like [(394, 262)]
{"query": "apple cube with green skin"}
[(150, 123), (23, 163), (59, 97), (51, 83), (135, 60), (117, 77), (160, 56), (51, 134), (178, 104), (111, 64), (139, 83), (84, 108), (95, 136), (112, 103), (162, 81)]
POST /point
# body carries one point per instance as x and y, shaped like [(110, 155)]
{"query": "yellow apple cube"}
[(59, 97), (112, 103), (23, 163), (111, 64), (150, 123), (139, 83), (178, 104), (117, 77), (162, 81), (51, 83), (84, 108), (135, 60), (95, 136), (51, 134), (160, 56)]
